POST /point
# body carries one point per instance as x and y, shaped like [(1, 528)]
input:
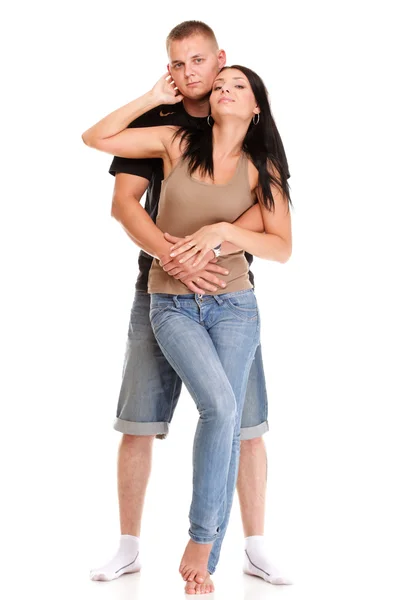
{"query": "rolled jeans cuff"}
[(210, 569), (202, 539)]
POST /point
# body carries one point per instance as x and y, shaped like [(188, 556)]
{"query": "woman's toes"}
[(190, 587), (200, 576)]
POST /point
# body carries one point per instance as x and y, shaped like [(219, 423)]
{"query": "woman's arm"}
[(144, 142), (111, 134), (251, 219), (275, 243)]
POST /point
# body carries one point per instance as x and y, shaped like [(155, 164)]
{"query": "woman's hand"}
[(205, 239), (165, 91)]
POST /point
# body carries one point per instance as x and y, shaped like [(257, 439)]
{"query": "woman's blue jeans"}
[(210, 341)]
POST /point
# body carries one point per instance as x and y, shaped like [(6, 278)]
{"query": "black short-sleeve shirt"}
[(151, 169)]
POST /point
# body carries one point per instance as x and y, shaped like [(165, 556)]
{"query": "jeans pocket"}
[(243, 305)]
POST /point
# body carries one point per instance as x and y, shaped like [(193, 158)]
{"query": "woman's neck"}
[(228, 138)]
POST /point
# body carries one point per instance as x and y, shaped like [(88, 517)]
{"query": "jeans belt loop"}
[(176, 302), (219, 300)]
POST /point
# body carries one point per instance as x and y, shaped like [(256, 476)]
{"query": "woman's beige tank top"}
[(186, 205)]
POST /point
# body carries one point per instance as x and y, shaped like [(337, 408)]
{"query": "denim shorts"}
[(150, 387)]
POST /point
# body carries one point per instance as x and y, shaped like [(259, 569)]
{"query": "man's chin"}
[(197, 94)]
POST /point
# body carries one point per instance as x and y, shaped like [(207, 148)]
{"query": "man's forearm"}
[(141, 229)]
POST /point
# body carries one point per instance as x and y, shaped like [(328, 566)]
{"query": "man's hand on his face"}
[(165, 91)]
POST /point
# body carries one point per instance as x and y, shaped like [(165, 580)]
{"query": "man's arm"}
[(126, 208), (251, 219)]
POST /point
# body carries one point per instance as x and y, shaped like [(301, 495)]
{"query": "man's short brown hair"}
[(187, 29)]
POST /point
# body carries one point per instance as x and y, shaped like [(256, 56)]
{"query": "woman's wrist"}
[(226, 231), (151, 100)]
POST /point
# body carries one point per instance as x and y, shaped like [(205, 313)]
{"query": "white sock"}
[(126, 560), (257, 563)]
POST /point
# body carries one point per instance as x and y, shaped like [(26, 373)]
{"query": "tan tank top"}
[(186, 205)]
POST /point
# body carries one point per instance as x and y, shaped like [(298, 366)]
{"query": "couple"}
[(225, 182)]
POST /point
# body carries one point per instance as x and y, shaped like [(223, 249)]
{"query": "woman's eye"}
[(241, 87), (217, 87)]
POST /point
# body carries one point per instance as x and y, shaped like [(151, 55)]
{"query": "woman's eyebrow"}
[(221, 79)]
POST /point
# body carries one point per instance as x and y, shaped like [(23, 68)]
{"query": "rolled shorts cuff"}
[(158, 429), (249, 433)]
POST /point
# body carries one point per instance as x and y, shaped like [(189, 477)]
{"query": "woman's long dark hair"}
[(262, 144)]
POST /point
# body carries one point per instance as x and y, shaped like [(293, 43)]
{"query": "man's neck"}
[(197, 108)]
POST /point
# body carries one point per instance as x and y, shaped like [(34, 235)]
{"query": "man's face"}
[(194, 63)]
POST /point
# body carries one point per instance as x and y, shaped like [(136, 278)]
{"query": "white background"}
[(68, 273)]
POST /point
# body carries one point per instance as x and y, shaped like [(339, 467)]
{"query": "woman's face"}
[(232, 95)]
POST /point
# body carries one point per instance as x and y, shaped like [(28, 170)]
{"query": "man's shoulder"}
[(165, 114)]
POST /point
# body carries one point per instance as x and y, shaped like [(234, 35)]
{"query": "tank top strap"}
[(178, 169), (242, 169)]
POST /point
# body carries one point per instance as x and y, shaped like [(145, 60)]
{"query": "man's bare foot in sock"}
[(194, 562), (207, 587)]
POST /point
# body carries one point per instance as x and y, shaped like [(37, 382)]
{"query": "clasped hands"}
[(192, 260)]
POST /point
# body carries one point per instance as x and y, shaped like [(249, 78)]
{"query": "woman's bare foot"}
[(200, 588), (194, 562)]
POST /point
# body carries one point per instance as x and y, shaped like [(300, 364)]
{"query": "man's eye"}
[(198, 60), (177, 66)]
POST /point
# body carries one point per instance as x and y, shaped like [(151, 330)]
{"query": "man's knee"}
[(253, 445), (136, 441)]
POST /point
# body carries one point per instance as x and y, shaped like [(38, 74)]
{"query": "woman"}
[(211, 176)]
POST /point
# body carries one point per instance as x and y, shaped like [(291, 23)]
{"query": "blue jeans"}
[(210, 341), (150, 387)]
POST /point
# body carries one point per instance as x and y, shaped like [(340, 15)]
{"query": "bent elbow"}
[(286, 255), (90, 140), (85, 138)]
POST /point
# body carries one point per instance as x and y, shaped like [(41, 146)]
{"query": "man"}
[(150, 388)]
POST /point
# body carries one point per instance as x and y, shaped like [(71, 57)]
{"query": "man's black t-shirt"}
[(151, 169)]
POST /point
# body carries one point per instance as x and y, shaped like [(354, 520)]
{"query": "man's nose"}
[(189, 72)]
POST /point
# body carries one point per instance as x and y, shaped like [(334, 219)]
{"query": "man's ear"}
[(168, 68), (221, 58)]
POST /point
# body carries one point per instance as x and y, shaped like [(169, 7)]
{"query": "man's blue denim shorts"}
[(151, 388)]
